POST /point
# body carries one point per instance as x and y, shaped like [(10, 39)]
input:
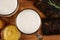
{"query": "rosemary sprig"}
[(52, 3)]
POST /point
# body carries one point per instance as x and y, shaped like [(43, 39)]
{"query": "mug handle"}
[(40, 37)]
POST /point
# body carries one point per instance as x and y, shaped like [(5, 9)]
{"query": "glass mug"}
[(8, 7), (28, 21)]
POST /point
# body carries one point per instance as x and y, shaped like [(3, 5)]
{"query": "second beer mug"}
[(8, 7)]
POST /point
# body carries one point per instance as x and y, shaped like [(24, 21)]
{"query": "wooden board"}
[(23, 4)]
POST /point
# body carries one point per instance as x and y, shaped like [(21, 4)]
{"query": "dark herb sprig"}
[(52, 3)]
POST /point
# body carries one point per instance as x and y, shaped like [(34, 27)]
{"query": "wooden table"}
[(23, 4)]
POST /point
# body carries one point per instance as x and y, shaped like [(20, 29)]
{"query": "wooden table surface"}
[(23, 4)]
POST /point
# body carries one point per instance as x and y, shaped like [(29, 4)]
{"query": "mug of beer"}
[(8, 7)]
